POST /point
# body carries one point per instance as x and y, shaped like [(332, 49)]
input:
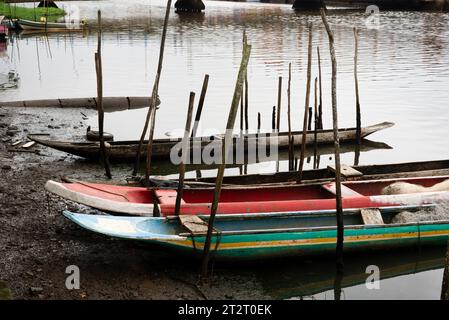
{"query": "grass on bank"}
[(12, 11)]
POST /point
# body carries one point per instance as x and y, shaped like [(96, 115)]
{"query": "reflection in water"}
[(316, 278), (9, 78)]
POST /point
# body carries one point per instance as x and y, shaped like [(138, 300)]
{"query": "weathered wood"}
[(371, 216), (199, 110), (28, 145), (445, 284), (152, 108), (289, 121), (126, 150), (194, 224), (278, 120), (356, 81), (185, 152), (320, 105), (306, 108), (99, 72), (110, 104), (339, 208), (346, 171), (225, 149), (315, 128)]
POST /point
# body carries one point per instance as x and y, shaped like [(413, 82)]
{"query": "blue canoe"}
[(266, 235)]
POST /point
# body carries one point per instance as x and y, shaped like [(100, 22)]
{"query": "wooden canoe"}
[(256, 199), (368, 172), (162, 148), (110, 104), (249, 236), (49, 26)]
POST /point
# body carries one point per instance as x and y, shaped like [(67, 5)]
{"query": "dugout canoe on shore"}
[(110, 104), (365, 172), (253, 199), (257, 236), (163, 148)]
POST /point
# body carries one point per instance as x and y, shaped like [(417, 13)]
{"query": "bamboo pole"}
[(246, 103), (199, 110), (278, 120), (357, 100), (185, 148), (258, 122), (320, 105), (225, 149), (315, 126), (99, 71), (289, 121), (152, 108), (340, 224), (306, 108), (445, 285), (273, 119)]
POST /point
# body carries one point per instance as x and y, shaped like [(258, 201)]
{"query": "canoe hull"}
[(254, 200), (164, 148), (235, 244)]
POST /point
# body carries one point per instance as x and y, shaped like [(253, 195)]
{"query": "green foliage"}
[(28, 13)]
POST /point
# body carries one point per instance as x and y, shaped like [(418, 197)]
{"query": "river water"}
[(403, 77)]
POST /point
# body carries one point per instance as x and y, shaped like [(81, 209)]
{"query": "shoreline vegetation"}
[(11, 11)]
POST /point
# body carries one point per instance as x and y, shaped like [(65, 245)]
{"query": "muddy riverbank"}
[(37, 243)]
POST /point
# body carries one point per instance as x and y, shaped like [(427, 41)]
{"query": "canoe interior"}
[(241, 195), (427, 167), (368, 188)]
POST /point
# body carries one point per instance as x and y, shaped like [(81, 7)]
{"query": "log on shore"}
[(110, 104)]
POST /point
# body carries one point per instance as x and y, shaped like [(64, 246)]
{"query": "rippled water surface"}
[(403, 77)]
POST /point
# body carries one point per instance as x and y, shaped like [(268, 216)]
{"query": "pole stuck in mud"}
[(199, 110), (152, 108), (306, 108), (225, 150), (99, 72), (340, 224), (185, 153)]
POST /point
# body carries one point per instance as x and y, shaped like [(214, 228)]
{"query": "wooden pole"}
[(340, 224), (278, 120), (273, 119), (258, 122), (320, 105), (357, 100), (242, 112), (246, 89), (185, 152), (306, 108), (290, 138), (246, 103), (445, 285), (315, 126), (98, 67), (225, 149), (152, 108), (199, 110)]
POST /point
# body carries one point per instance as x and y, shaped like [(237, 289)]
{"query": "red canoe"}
[(142, 201)]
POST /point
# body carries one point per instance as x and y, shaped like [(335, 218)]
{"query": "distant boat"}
[(49, 26), (256, 236), (3, 29)]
